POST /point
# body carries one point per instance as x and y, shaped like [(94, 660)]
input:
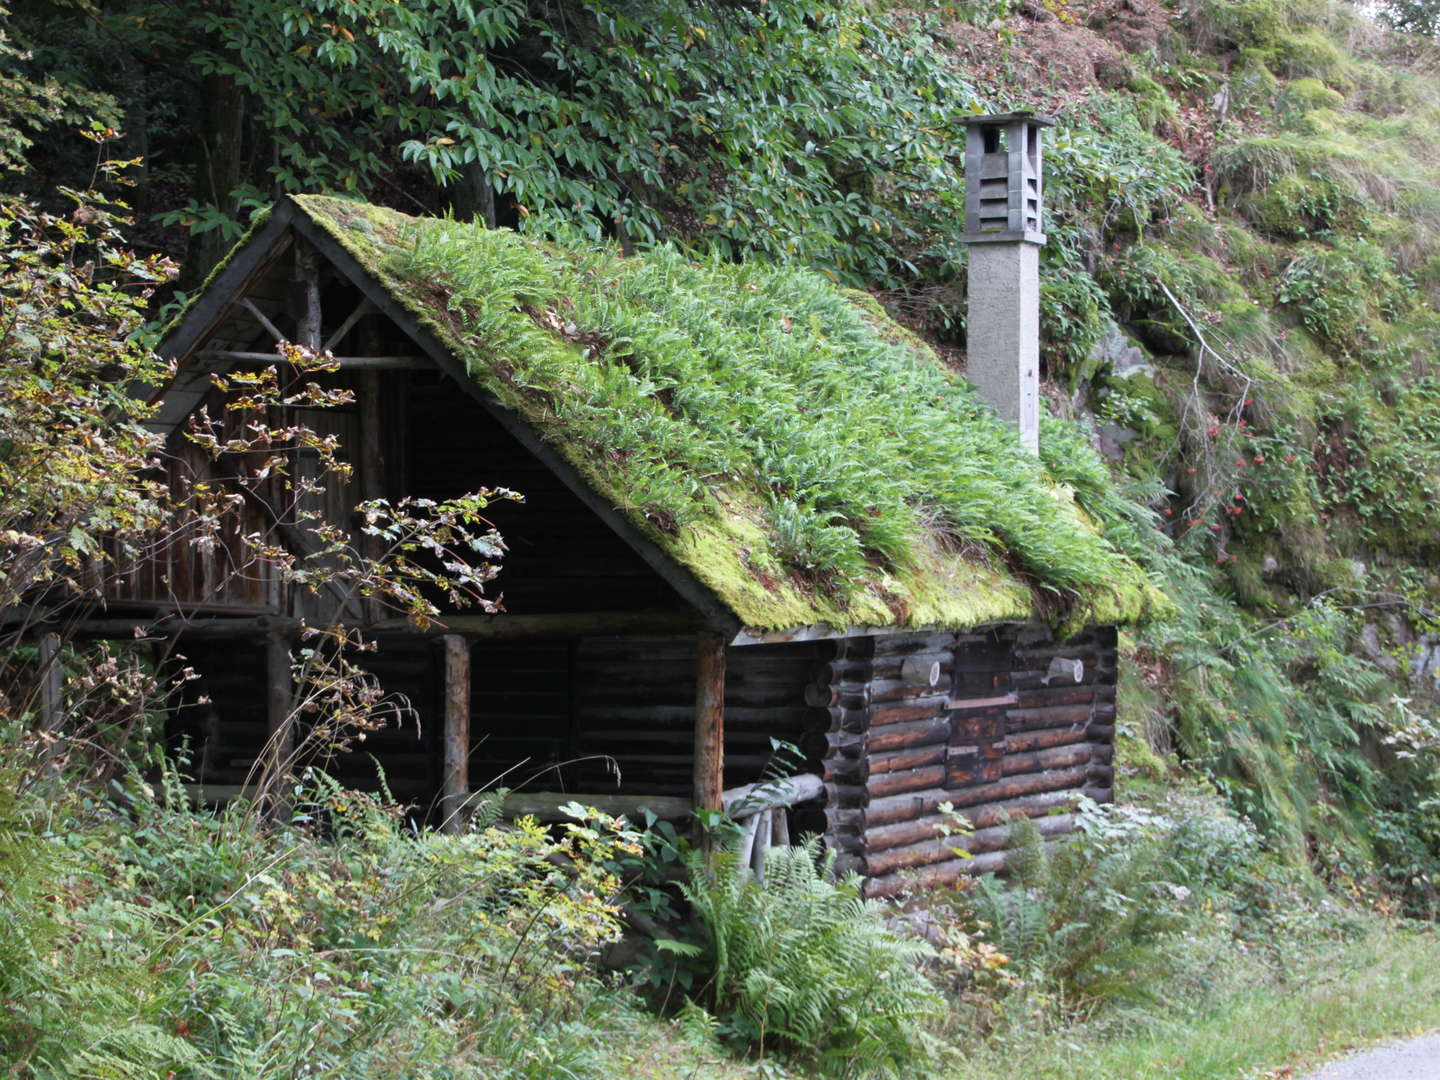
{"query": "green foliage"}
[(706, 389), (802, 961), (33, 103), (144, 937)]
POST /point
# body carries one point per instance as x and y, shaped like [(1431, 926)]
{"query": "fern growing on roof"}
[(797, 451)]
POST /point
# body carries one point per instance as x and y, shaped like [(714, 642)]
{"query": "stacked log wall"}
[(1004, 735)]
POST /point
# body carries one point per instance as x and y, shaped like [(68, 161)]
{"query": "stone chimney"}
[(1003, 230)]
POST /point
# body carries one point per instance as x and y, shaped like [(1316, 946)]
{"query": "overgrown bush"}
[(140, 937), (802, 962)]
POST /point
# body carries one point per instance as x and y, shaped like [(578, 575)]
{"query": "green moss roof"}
[(784, 441)]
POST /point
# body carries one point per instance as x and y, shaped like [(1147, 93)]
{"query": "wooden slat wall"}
[(998, 739), (226, 734)]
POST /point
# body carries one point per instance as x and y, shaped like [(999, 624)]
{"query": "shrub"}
[(804, 961)]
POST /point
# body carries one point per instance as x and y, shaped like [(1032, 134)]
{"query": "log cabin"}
[(756, 511)]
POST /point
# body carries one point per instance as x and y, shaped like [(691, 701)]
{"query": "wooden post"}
[(709, 725), (278, 702), (308, 274), (52, 699), (457, 733), (52, 702)]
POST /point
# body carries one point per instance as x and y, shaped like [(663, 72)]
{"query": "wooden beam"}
[(347, 363), (370, 459), (709, 768), (280, 745), (456, 781), (571, 624), (262, 318), (52, 694), (768, 794), (307, 272), (345, 327)]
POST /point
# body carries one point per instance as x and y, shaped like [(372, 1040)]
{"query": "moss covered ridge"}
[(786, 443)]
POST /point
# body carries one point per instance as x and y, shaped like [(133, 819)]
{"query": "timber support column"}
[(456, 785), (709, 726), (1003, 222), (52, 693), (280, 724)]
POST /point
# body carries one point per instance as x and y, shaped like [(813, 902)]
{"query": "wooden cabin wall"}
[(226, 732), (596, 715), (1000, 736), (616, 715)]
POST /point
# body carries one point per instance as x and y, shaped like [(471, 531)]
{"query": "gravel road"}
[(1414, 1059)]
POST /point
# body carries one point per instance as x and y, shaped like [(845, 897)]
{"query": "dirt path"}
[(1414, 1059)]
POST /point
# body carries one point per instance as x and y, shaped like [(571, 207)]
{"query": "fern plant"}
[(803, 961)]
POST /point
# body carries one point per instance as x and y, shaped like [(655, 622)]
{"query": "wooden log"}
[(1084, 694), (917, 709), (1059, 757), (984, 816), (455, 787), (748, 837), (843, 819), (920, 670), (912, 758), (264, 320), (943, 848), (1024, 741), (847, 770), (846, 796), (895, 783), (780, 828), (1102, 733), (897, 690), (709, 767), (942, 873), (903, 736), (913, 643), (279, 724), (789, 791), (1049, 716), (908, 805)]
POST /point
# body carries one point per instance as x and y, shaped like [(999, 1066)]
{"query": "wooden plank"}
[(709, 765), (455, 787)]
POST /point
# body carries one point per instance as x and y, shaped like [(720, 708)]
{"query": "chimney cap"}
[(987, 119)]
